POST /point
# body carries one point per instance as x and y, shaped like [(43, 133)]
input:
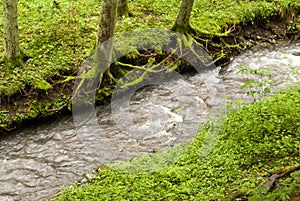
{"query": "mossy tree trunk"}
[(182, 23), (123, 9), (12, 53), (106, 29), (107, 22)]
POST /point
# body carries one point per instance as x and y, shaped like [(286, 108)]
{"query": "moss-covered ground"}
[(57, 36), (257, 142)]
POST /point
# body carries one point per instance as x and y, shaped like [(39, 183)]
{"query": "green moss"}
[(58, 38), (4, 120), (35, 110), (258, 140), (61, 35)]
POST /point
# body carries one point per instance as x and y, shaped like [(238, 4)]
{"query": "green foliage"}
[(258, 140), (147, 163), (42, 84), (287, 187), (269, 126), (261, 84), (218, 17), (56, 36), (3, 118)]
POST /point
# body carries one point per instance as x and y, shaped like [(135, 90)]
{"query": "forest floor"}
[(57, 38)]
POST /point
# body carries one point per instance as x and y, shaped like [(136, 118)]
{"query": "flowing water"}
[(36, 161)]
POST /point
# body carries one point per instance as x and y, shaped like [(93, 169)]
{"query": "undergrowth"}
[(57, 36), (259, 140)]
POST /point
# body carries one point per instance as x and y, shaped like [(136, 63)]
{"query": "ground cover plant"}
[(56, 36), (258, 140)]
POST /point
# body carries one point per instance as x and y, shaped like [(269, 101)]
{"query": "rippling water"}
[(35, 162)]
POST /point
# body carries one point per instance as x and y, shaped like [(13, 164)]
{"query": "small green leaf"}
[(42, 84)]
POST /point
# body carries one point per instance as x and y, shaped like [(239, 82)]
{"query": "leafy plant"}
[(258, 140), (260, 85)]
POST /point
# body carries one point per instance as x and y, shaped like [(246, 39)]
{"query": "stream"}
[(36, 161)]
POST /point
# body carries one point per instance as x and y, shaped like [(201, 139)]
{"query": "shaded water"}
[(35, 162)]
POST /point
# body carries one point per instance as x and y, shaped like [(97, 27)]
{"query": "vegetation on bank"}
[(56, 36), (257, 142)]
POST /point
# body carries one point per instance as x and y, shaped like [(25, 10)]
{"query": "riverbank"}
[(257, 158), (59, 37)]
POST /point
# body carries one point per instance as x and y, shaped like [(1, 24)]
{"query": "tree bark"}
[(11, 38), (182, 23), (107, 22), (106, 29), (123, 9)]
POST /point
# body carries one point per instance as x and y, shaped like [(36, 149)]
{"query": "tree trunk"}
[(106, 29), (182, 23), (11, 38), (107, 22), (123, 8)]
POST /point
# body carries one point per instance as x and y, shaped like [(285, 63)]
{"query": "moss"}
[(62, 38), (32, 109), (184, 30), (242, 161), (4, 120)]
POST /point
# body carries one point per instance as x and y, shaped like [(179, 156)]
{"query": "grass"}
[(257, 141)]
